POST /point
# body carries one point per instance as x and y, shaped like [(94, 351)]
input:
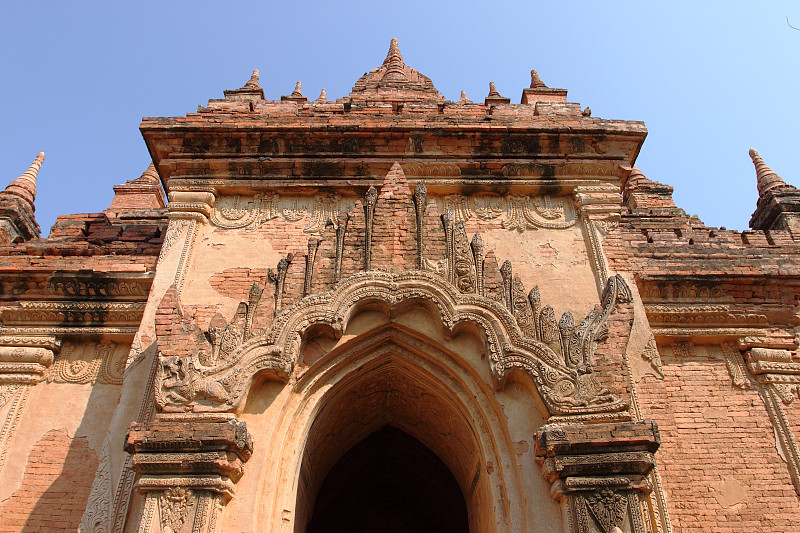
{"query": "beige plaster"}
[(80, 410), (554, 259)]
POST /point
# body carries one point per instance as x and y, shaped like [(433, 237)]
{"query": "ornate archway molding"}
[(558, 357)]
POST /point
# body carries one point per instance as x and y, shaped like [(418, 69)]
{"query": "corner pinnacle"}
[(150, 174), (253, 82), (766, 178), (536, 81), (297, 90), (25, 186)]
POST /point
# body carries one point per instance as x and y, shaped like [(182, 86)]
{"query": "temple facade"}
[(395, 312)]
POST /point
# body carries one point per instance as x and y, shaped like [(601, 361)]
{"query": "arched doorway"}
[(393, 427), (389, 483)]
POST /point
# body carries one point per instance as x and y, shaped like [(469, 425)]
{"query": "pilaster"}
[(23, 363), (599, 472), (187, 466)]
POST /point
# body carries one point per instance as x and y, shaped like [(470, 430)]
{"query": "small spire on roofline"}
[(536, 81), (766, 178), (253, 82), (25, 186)]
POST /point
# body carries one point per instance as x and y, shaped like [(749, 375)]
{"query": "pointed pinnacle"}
[(634, 178), (536, 81), (463, 99), (150, 174), (493, 90), (394, 63), (323, 96), (253, 82), (25, 186), (766, 178), (298, 89)]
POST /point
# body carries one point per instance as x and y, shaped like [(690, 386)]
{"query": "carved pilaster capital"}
[(187, 465), (191, 203), (201, 452), (600, 200), (599, 471), (776, 368), (24, 359)]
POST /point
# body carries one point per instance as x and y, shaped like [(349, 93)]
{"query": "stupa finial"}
[(25, 186), (394, 63), (253, 82), (298, 89), (536, 81), (766, 178)]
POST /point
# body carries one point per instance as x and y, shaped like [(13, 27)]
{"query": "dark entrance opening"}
[(389, 483)]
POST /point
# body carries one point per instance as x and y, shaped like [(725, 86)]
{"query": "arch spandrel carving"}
[(559, 360)]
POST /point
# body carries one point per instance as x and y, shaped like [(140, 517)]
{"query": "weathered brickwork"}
[(392, 288), (55, 488)]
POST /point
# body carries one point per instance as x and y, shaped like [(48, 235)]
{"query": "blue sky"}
[(709, 79)]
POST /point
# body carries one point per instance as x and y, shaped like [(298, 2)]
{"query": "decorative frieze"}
[(517, 213), (234, 212)]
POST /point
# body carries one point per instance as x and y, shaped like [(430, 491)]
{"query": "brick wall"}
[(55, 487)]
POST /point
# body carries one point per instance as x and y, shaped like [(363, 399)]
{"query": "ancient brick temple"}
[(395, 312)]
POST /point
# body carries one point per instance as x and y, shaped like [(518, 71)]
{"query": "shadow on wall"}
[(58, 475)]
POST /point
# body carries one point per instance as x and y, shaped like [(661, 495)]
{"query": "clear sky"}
[(709, 79)]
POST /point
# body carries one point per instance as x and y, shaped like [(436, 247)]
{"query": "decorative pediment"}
[(392, 248)]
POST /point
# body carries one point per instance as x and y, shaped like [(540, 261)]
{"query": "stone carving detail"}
[(420, 208), (235, 212), (463, 260), (174, 506), (683, 349), (278, 278), (651, 355), (777, 376), (370, 199), (608, 508), (488, 207), (525, 213), (735, 363), (658, 291), (313, 245), (97, 517), (182, 384), (341, 231), (459, 206), (520, 212), (7, 391), (88, 363), (477, 254), (78, 313), (93, 286), (563, 375), (174, 231), (521, 334)]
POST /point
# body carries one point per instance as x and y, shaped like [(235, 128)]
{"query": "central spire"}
[(396, 81), (394, 64)]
